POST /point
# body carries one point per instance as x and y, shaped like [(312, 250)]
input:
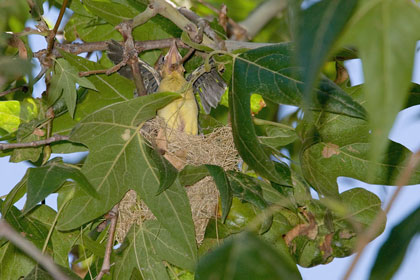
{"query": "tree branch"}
[(55, 138), (14, 237), (168, 11), (106, 265), (131, 56), (51, 36), (370, 233), (204, 26), (260, 17)]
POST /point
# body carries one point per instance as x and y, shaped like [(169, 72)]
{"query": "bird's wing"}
[(209, 85), (151, 78)]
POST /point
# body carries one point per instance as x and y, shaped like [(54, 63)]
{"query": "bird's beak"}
[(172, 61)]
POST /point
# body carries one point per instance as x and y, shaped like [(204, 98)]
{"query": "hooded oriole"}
[(181, 114)]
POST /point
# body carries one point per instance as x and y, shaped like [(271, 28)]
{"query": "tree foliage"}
[(268, 221)]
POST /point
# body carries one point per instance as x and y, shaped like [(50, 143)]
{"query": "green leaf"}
[(28, 227), (385, 33), (248, 189), (64, 82), (278, 137), (38, 273), (166, 247), (191, 174), (26, 134), (222, 184), (13, 263), (9, 115), (136, 252), (268, 71), (89, 29), (13, 68), (167, 172), (358, 206), (60, 243), (42, 181), (244, 256), (119, 160), (15, 194), (392, 252), (115, 13), (318, 29), (323, 162), (111, 89), (13, 113)]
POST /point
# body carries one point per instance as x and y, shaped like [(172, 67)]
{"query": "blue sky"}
[(406, 131)]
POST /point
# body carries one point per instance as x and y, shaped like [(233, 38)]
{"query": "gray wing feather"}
[(210, 86), (151, 78)]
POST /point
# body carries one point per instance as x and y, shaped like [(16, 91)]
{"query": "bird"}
[(209, 85), (181, 115)]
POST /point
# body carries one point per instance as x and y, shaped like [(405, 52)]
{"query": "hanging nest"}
[(215, 148)]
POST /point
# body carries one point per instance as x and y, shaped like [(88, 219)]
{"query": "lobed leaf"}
[(119, 160), (42, 181), (64, 82), (245, 256)]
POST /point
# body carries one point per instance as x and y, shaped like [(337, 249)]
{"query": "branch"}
[(23, 88), (55, 138), (204, 26), (51, 36), (14, 237), (232, 28), (260, 17), (131, 56), (168, 11), (365, 238), (106, 265)]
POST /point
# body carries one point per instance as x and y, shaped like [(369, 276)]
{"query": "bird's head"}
[(172, 62)]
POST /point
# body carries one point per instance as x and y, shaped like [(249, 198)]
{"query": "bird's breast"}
[(181, 114)]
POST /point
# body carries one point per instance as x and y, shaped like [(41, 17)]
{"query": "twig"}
[(23, 88), (131, 56), (93, 72), (51, 36), (364, 238), (187, 55), (204, 26), (14, 237), (261, 16), (233, 27), (106, 265), (168, 11), (55, 138)]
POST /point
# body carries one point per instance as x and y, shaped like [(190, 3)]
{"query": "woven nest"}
[(215, 148)]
